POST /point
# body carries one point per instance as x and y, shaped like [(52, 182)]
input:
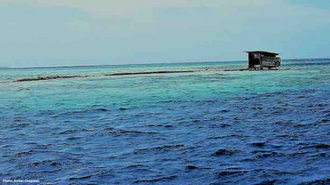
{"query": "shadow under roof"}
[(263, 52)]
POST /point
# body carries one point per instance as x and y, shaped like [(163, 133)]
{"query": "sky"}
[(110, 32)]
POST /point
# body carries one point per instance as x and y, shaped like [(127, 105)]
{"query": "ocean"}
[(209, 126)]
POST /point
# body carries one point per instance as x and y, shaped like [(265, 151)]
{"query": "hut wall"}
[(253, 60)]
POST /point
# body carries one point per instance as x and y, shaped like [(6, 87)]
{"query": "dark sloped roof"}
[(263, 52)]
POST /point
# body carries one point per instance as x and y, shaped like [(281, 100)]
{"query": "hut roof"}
[(263, 52)]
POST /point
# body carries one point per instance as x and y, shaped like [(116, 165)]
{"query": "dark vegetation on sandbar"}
[(149, 73), (43, 78), (40, 78)]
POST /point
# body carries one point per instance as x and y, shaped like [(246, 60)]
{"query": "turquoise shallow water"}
[(209, 127)]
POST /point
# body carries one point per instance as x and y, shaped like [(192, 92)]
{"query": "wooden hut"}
[(259, 60)]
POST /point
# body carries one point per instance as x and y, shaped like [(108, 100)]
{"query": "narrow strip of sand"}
[(56, 77)]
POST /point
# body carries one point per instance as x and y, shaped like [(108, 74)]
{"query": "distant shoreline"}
[(148, 71), (58, 77), (116, 65)]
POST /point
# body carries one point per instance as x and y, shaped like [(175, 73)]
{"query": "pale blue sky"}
[(85, 32)]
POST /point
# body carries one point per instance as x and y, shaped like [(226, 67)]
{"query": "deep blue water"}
[(209, 127)]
